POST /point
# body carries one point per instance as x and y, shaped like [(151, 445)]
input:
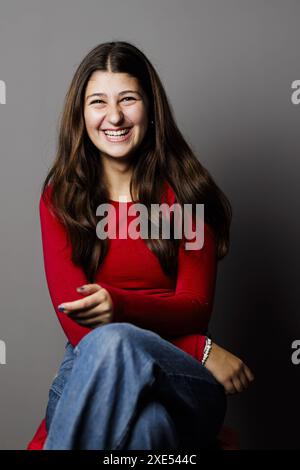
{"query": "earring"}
[(151, 122)]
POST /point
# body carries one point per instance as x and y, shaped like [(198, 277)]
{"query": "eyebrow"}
[(121, 93)]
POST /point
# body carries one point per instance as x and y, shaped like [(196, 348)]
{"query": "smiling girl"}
[(139, 370)]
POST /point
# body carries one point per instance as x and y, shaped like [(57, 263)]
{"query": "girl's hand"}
[(228, 369), (95, 309)]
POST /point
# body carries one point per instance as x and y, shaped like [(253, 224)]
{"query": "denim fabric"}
[(124, 387), (59, 382)]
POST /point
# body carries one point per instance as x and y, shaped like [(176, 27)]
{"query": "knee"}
[(110, 336)]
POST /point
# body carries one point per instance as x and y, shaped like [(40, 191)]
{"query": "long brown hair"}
[(76, 176)]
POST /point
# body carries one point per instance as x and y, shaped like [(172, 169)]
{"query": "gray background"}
[(227, 67)]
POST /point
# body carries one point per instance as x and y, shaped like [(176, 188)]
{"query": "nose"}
[(114, 114)]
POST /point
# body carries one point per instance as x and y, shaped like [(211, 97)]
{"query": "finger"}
[(238, 384), (248, 373), (244, 380), (229, 388), (88, 288), (99, 309), (82, 304), (83, 315)]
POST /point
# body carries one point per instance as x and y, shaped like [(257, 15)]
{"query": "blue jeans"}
[(124, 387)]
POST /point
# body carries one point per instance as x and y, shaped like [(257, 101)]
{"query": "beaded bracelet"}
[(207, 349)]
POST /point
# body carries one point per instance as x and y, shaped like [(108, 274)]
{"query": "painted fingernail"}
[(81, 288), (61, 308)]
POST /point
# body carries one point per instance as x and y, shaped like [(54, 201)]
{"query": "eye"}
[(96, 101), (129, 98), (126, 98)]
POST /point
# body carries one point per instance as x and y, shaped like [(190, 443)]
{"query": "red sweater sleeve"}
[(186, 311), (62, 275)]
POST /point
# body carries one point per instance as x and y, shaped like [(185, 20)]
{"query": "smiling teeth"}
[(116, 133)]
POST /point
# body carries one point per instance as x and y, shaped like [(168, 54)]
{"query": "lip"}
[(118, 139)]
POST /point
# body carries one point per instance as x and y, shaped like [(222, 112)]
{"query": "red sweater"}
[(177, 309)]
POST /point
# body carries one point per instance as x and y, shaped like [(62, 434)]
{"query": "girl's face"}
[(118, 103)]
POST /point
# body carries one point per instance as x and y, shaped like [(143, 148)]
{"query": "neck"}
[(117, 174)]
